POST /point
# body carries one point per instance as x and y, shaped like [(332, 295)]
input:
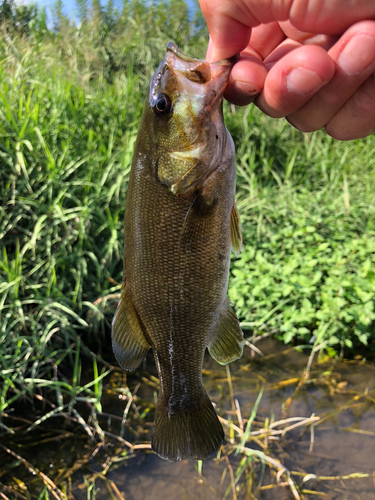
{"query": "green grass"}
[(307, 206), (65, 162), (70, 106)]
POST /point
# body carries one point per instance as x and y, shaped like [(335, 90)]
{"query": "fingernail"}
[(357, 55), (246, 88), (303, 82)]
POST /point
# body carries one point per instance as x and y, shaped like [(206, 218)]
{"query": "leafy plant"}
[(307, 270)]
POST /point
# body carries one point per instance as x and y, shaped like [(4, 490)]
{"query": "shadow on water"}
[(330, 456)]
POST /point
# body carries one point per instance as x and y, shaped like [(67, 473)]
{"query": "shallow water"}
[(344, 437), (340, 393)]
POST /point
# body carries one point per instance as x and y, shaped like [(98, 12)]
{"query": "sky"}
[(70, 8)]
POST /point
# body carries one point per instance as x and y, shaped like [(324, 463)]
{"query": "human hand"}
[(312, 62)]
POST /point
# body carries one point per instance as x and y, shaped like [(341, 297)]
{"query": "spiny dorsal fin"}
[(235, 231), (227, 343), (129, 343)]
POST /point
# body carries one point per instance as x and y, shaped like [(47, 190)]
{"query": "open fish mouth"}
[(197, 70), (195, 88), (172, 47)]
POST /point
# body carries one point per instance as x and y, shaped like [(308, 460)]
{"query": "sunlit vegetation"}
[(307, 205), (71, 97)]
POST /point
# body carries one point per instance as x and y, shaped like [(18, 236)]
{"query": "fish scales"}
[(176, 264)]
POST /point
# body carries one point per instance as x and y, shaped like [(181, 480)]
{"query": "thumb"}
[(229, 36)]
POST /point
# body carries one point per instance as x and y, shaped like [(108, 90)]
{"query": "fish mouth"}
[(172, 47), (198, 70)]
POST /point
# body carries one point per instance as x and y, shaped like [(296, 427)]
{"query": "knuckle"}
[(338, 133), (363, 101), (269, 110), (301, 125), (356, 118), (333, 96)]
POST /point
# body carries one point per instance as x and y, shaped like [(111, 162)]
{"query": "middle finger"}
[(354, 56), (298, 73)]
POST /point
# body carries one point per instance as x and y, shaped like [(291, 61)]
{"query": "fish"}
[(180, 225)]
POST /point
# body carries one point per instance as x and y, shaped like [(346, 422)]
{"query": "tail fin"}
[(192, 433)]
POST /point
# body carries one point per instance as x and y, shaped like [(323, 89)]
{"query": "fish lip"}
[(172, 47)]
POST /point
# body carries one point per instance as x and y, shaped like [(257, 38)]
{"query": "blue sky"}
[(70, 7)]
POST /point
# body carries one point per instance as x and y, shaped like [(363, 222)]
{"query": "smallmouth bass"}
[(180, 225)]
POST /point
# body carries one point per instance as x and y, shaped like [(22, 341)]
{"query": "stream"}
[(341, 393), (309, 440)]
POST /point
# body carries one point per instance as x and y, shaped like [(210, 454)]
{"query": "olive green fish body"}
[(177, 249)]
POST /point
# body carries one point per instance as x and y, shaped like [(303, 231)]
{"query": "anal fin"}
[(128, 341), (227, 343), (235, 231)]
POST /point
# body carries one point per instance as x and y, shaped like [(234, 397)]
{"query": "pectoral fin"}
[(235, 231), (128, 341), (227, 343)]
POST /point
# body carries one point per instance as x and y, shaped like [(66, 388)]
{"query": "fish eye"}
[(161, 105)]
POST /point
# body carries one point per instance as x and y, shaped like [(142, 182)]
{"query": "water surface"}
[(334, 459), (341, 393)]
